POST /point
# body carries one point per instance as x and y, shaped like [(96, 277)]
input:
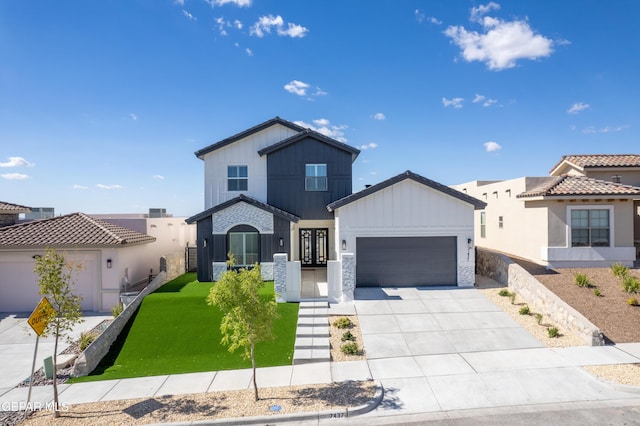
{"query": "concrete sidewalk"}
[(433, 350)]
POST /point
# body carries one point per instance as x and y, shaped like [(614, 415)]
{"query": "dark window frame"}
[(587, 228), (314, 179), (237, 178), (242, 258)]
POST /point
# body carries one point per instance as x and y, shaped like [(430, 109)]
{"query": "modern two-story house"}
[(279, 190), (586, 213)]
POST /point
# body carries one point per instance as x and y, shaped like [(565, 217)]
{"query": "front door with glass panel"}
[(314, 246)]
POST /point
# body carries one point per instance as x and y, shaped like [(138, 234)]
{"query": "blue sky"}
[(103, 103)]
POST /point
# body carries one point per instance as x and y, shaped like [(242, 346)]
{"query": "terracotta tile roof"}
[(601, 160), (563, 186), (76, 229), (13, 208)]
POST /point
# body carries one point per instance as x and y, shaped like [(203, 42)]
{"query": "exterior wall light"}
[(108, 263), (344, 244), (281, 242)]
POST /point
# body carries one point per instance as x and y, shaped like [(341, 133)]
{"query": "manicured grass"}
[(175, 331)]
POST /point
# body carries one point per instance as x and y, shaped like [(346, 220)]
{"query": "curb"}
[(613, 385), (295, 417)]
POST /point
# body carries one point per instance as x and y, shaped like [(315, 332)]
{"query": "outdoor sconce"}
[(469, 243), (281, 242), (344, 244), (108, 263)]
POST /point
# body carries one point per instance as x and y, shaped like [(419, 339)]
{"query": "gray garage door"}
[(405, 261)]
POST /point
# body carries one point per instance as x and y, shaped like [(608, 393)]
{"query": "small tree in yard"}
[(54, 279), (247, 317)]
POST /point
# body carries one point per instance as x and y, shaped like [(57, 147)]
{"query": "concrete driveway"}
[(443, 349), (17, 344)]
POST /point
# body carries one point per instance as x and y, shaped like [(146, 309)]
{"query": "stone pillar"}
[(348, 277), (217, 269), (280, 276)]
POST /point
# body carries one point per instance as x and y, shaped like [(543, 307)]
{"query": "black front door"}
[(314, 246)]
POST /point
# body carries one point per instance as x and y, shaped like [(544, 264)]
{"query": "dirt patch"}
[(335, 339), (610, 312)]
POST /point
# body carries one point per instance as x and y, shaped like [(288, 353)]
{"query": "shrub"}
[(596, 292), (525, 310), (632, 301), (504, 293), (86, 338), (348, 336), (343, 322), (630, 284), (538, 318), (350, 349), (581, 280), (619, 270), (553, 332), (117, 309)]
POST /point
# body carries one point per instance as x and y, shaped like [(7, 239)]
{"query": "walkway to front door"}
[(314, 283)]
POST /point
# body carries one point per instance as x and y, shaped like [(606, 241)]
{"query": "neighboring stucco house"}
[(585, 214), (108, 255), (10, 213), (278, 190)]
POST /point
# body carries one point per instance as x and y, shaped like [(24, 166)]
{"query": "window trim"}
[(237, 178), (244, 230), (590, 207), (316, 178), (483, 224)]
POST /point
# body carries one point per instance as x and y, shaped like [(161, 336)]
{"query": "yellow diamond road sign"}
[(39, 317)]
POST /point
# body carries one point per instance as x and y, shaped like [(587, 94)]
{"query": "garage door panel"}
[(406, 261)]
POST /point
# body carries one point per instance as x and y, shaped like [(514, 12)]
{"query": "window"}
[(483, 225), (244, 245), (315, 177), (616, 179), (500, 222), (237, 178), (590, 228)]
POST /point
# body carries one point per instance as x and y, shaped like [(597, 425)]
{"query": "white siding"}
[(240, 153)]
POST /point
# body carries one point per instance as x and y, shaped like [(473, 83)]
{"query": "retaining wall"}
[(89, 359), (505, 271)]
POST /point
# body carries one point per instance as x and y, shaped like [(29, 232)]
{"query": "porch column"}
[(348, 277), (280, 277)]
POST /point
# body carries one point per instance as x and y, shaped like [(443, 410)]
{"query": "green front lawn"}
[(175, 331)]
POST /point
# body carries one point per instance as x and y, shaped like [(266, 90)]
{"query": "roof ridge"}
[(101, 224)]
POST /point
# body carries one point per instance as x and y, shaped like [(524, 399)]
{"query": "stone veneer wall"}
[(280, 276), (466, 275), (93, 354), (348, 277), (503, 270)]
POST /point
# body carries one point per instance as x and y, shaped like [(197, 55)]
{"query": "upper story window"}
[(315, 177), (237, 178), (616, 179), (590, 228), (483, 225)]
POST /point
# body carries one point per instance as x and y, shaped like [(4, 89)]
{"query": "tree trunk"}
[(253, 365), (56, 411)]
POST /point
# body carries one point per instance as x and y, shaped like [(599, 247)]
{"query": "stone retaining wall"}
[(503, 270), (93, 354)]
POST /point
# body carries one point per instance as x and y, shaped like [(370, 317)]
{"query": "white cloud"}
[(266, 23), (419, 15), (577, 107), (189, 16), (454, 103), (379, 116), (248, 51), (133, 116), (17, 162), (486, 102), (101, 186), (478, 12), (371, 145), (502, 43), (179, 2), (76, 186), (319, 92), (607, 129), (237, 24), (435, 20), (297, 87), (239, 3), (324, 127), (15, 176), (158, 177), (492, 146)]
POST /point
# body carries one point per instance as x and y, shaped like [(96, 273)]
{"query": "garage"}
[(406, 261)]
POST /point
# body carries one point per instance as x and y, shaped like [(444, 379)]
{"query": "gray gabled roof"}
[(308, 133), (248, 132), (252, 201), (71, 230), (399, 178)]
